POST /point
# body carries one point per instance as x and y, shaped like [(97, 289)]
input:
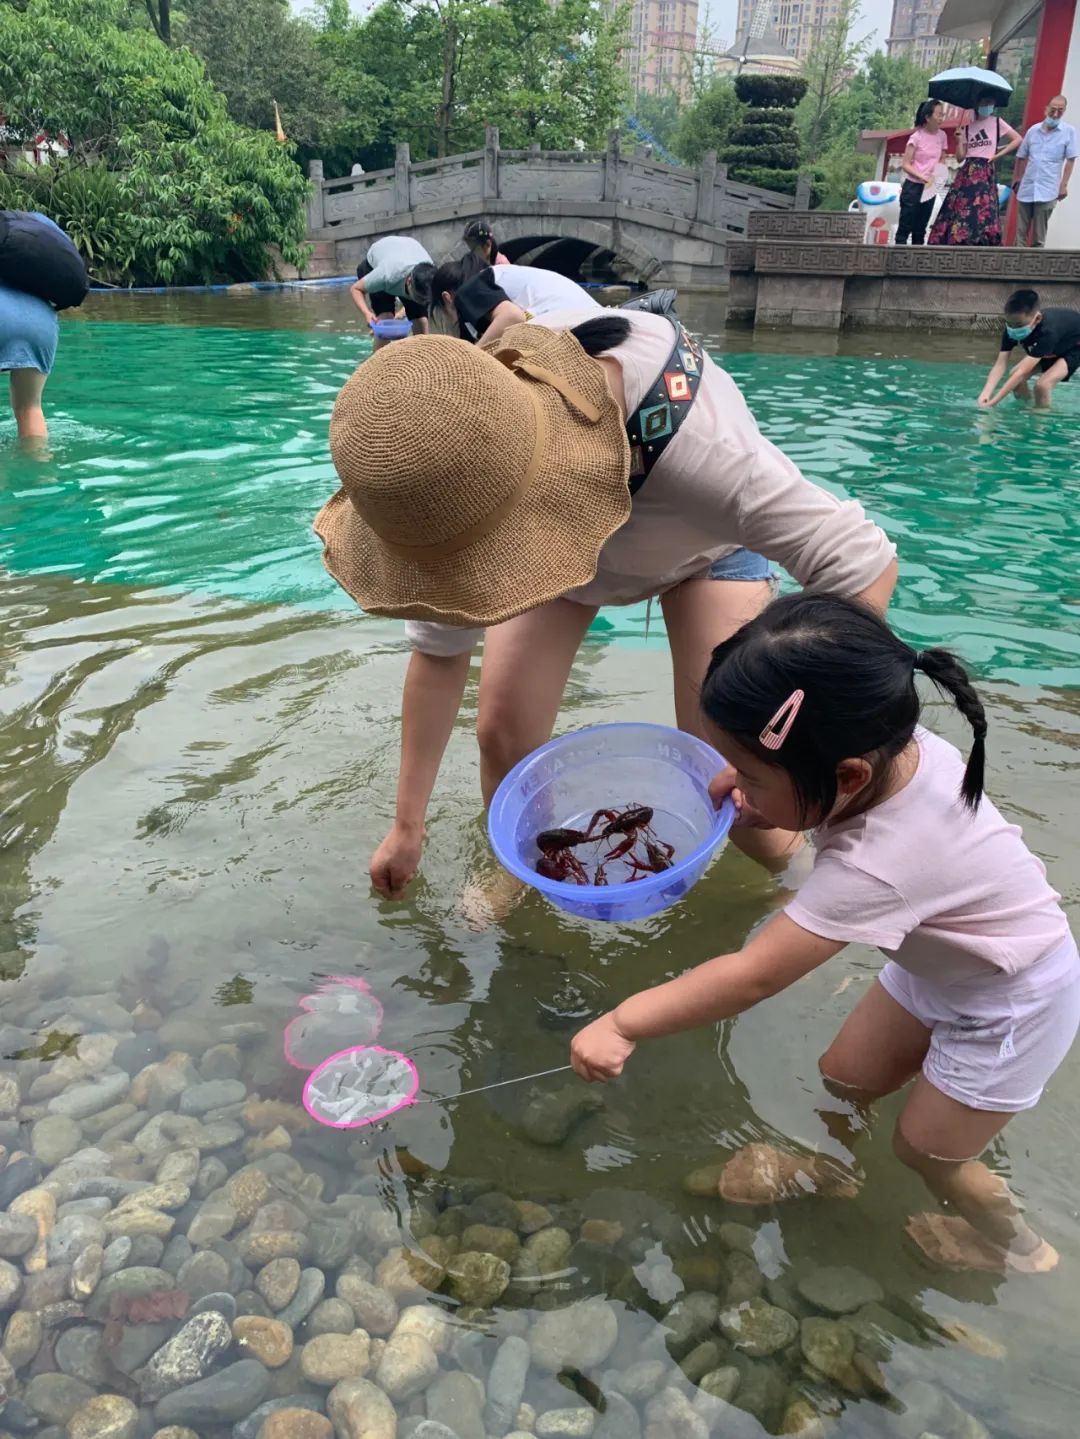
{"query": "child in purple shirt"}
[(814, 704)]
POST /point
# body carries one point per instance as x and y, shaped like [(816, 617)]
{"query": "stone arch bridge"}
[(579, 213)]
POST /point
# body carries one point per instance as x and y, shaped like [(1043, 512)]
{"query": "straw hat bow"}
[(476, 483)]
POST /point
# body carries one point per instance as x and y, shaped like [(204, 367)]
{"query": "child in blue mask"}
[(1050, 340)]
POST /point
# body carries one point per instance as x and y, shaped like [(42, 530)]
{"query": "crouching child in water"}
[(815, 706), (1050, 340)]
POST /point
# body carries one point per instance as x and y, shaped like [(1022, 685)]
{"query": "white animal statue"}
[(879, 201)]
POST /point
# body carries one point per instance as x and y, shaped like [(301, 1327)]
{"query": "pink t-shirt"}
[(951, 896), (928, 150), (986, 137)]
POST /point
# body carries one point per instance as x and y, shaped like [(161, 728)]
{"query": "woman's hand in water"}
[(723, 785), (599, 1051), (395, 862)]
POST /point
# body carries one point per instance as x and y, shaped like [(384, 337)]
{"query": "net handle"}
[(499, 1084)]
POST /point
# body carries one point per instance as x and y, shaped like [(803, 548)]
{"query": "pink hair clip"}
[(776, 731)]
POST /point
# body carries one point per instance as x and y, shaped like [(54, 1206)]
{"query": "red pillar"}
[(1047, 75)]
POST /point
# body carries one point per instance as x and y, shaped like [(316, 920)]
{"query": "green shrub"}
[(768, 90), (772, 157), (761, 134)]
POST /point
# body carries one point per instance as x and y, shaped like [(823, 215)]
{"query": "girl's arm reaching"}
[(776, 957)]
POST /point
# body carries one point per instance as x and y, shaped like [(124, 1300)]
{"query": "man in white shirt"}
[(1044, 166)]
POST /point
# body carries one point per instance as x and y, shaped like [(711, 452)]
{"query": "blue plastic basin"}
[(613, 766), (391, 329)]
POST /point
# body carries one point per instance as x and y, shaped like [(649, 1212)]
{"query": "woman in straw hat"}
[(502, 503)]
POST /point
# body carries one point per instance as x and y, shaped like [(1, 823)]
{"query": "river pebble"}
[(187, 1357), (267, 1340), (106, 1416), (330, 1358), (223, 1397)]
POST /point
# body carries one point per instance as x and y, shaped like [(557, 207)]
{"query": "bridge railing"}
[(636, 182)]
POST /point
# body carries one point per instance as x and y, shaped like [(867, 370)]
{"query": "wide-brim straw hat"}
[(476, 483)]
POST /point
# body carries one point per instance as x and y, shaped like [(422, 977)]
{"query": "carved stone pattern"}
[(805, 225), (741, 254), (926, 262)]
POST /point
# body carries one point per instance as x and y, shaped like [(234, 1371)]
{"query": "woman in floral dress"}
[(969, 214)]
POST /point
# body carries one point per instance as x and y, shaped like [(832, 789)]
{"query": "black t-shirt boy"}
[(1055, 337)]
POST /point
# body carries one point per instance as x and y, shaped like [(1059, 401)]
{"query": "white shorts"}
[(994, 1045)]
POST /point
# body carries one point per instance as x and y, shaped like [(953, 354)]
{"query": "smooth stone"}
[(580, 1336), (45, 1288), (689, 1321), (150, 1251), (216, 1218), (278, 1282), (213, 1173), (250, 1303), (297, 1424), (330, 1358), (168, 1194), (247, 1191), (407, 1366), (179, 1167), (427, 1429), (642, 1380), (137, 1222), (330, 1242), (174, 1255), (701, 1360), (375, 1310), (493, 1208), (839, 1289), (491, 1239), (18, 1234), (549, 1117), (54, 1139), (803, 1420), (106, 1416), (80, 1353), (222, 1398), (249, 1427), (506, 1385), (11, 1284), (829, 1346), (86, 1271), (619, 1420), (83, 1100), (738, 1238), (359, 1410), (267, 1340), (134, 1054), (71, 1235), (430, 1323), (257, 1249), (878, 1330), (456, 1399), (670, 1412), (22, 1338), (722, 1383), (221, 1061), (19, 1176), (135, 1344), (204, 1273), (54, 1398), (310, 1290), (555, 1423), (478, 1279), (187, 1357), (532, 1217), (745, 1279), (10, 1096), (117, 1255), (757, 1328), (200, 1099), (40, 1205), (331, 1316), (222, 1303)]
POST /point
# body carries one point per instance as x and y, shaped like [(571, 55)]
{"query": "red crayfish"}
[(556, 846)]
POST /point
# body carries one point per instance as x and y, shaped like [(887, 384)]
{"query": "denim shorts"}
[(741, 565)]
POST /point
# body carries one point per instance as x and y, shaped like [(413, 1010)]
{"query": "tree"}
[(256, 52), (658, 116), (828, 69), (182, 192), (160, 13), (764, 146), (707, 123)]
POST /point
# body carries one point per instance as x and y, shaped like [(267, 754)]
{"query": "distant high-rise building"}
[(798, 24), (913, 33), (663, 34), (758, 50)]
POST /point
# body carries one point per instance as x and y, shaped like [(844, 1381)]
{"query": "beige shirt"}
[(719, 486)]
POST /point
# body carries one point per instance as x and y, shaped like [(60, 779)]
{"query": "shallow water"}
[(198, 757)]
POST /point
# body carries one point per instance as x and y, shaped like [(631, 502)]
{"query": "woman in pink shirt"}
[(815, 706), (927, 145), (970, 212)]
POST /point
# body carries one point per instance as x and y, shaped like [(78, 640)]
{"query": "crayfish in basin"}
[(635, 843)]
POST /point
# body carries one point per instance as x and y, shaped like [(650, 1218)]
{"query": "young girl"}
[(927, 145), (483, 244), (969, 214), (814, 704)]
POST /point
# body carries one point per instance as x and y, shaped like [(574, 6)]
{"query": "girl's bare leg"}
[(941, 1139)]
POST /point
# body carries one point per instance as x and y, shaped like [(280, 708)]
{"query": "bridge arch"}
[(578, 248)]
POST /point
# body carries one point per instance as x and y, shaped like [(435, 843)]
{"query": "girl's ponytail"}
[(949, 675)]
